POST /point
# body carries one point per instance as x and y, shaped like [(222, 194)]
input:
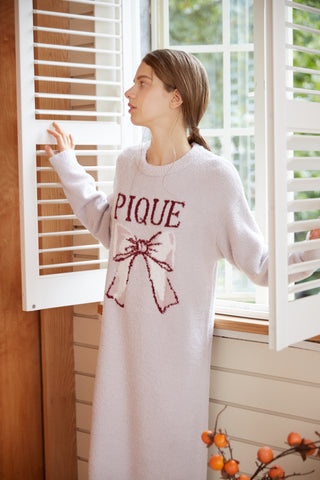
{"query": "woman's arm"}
[(92, 207), (241, 242)]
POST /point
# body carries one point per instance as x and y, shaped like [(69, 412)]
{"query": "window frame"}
[(264, 25), (160, 39)]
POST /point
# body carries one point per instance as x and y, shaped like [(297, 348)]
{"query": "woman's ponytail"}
[(196, 137)]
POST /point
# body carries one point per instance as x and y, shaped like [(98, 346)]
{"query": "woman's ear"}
[(176, 99)]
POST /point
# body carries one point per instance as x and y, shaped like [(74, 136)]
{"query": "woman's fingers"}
[(57, 127), (49, 151), (314, 233), (64, 141), (52, 132), (71, 141)]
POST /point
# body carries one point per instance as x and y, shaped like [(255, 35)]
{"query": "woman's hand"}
[(64, 141), (314, 234)]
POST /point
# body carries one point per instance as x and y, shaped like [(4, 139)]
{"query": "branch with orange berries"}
[(224, 462)]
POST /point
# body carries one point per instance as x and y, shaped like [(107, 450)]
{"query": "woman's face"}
[(150, 104)]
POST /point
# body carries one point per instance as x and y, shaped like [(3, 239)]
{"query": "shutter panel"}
[(74, 60), (294, 167)]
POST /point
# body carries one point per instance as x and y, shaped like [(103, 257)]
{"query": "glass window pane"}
[(242, 89), (200, 22), (213, 63), (234, 285), (215, 143), (244, 161), (242, 284), (221, 277), (241, 21), (195, 22)]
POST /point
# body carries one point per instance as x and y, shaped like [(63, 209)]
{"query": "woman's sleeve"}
[(92, 207), (242, 244)]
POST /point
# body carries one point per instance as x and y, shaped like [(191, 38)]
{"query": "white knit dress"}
[(167, 227)]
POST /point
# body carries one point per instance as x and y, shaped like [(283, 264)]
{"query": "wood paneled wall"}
[(21, 447)]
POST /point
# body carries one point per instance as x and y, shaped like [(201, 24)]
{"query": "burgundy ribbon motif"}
[(158, 254)]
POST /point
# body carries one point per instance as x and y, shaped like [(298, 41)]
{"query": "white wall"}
[(268, 394)]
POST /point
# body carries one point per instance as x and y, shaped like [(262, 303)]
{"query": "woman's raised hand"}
[(314, 234), (64, 141)]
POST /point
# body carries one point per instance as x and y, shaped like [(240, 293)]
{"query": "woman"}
[(176, 210)]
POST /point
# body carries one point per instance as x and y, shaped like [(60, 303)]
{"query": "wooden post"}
[(58, 394)]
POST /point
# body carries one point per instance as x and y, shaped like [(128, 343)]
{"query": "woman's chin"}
[(136, 122)]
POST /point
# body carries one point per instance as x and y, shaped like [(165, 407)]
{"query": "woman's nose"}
[(129, 93)]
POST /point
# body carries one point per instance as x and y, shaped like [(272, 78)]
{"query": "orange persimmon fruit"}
[(220, 440), (276, 472), (207, 437), (216, 462), (231, 467), (311, 446), (243, 477), (265, 454), (294, 438)]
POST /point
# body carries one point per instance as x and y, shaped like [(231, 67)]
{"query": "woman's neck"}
[(165, 149)]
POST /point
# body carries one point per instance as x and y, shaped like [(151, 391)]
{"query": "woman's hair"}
[(182, 71)]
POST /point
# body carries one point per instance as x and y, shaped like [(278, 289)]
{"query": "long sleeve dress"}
[(166, 227)]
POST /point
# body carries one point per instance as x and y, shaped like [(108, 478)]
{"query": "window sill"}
[(246, 325), (239, 324)]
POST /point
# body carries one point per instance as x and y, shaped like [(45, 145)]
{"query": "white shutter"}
[(294, 151), (74, 60)]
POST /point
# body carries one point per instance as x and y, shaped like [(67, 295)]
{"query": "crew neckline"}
[(169, 168)]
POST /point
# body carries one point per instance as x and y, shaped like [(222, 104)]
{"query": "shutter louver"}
[(73, 63), (294, 155)]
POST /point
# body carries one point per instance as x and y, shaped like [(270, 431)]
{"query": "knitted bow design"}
[(158, 254)]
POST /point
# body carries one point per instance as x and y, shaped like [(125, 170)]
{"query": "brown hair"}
[(182, 71)]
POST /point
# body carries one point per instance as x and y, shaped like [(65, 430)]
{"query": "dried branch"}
[(297, 474), (216, 424)]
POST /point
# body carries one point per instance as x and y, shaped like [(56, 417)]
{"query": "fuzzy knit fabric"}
[(166, 227)]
